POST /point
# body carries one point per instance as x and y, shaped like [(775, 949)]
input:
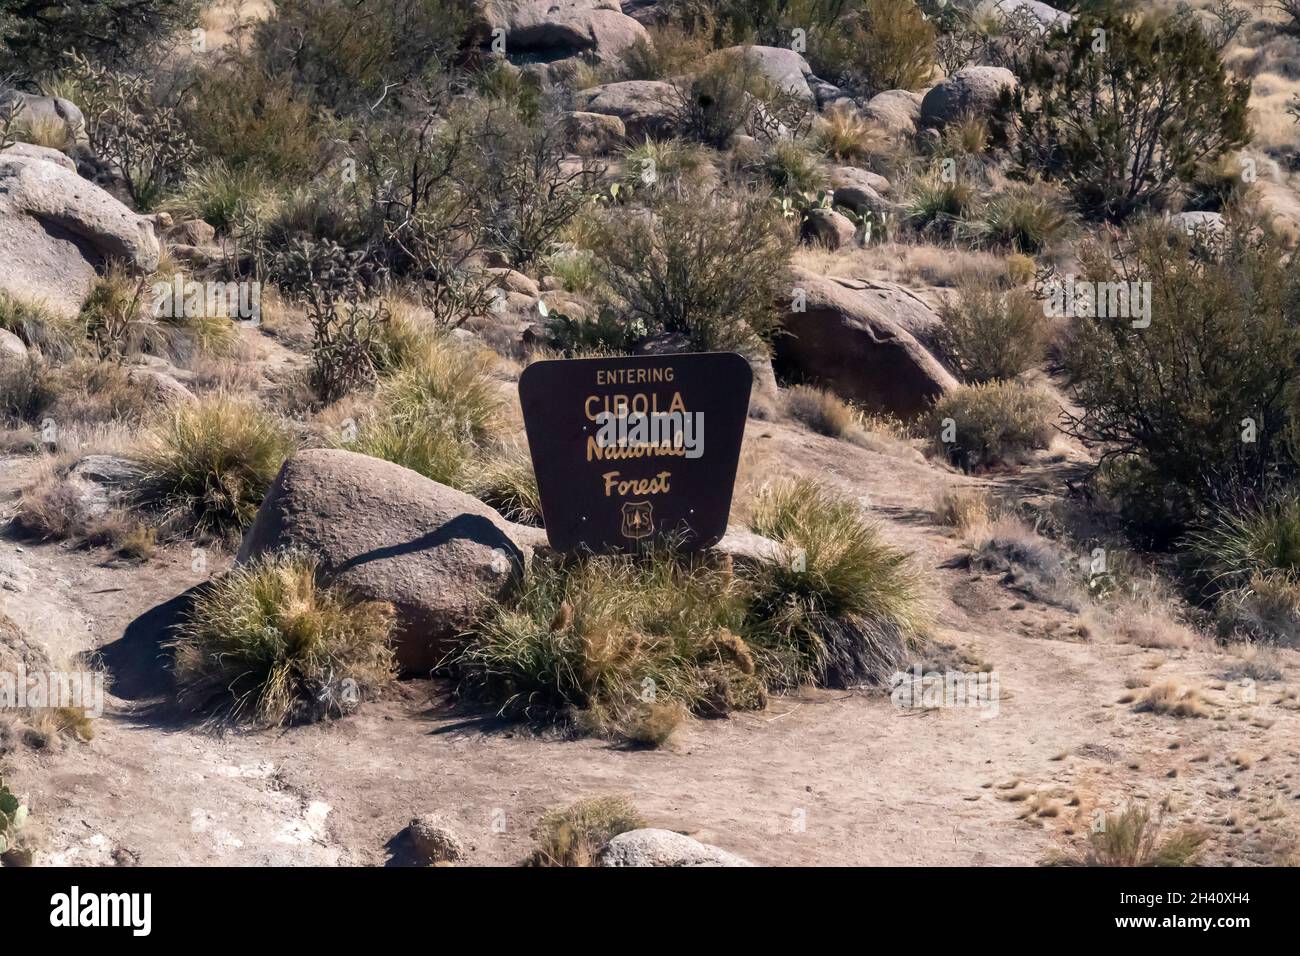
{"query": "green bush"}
[(1176, 404), (981, 426), (40, 327), (33, 36), (266, 644), (1128, 127), (208, 465), (351, 55), (843, 607), (219, 195), (989, 333), (677, 272), (1023, 217), (792, 169)]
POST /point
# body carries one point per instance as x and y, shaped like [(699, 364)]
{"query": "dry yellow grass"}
[(900, 262), (1172, 699)]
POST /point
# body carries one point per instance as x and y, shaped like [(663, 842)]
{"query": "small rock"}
[(651, 847), (433, 840)]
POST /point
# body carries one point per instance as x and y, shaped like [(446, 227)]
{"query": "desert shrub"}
[(792, 169), (33, 36), (209, 464), (122, 318), (1135, 837), (1169, 402), (884, 45), (436, 410), (345, 322), (355, 55), (602, 639), (844, 607), (1128, 128), (40, 327), (1265, 609), (529, 193), (674, 49), (575, 835), (240, 114), (218, 194), (267, 644), (1024, 217), (133, 128), (1237, 542), (433, 231), (721, 99), (820, 410), (676, 271), (664, 163), (846, 137), (1172, 699), (575, 268), (979, 426), (935, 207), (989, 333)]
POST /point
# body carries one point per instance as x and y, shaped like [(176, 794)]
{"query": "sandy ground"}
[(818, 778)]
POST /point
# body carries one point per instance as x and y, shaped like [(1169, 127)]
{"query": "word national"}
[(1073, 299), (639, 435)]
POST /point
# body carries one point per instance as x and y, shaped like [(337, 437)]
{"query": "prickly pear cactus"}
[(12, 817)]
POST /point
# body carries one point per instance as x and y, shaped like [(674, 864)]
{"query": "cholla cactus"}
[(13, 816)]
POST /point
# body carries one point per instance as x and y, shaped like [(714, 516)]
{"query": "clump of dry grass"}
[(848, 138), (989, 333), (208, 465), (821, 410), (982, 426), (1134, 837), (965, 509), (575, 835), (267, 644), (1173, 699)]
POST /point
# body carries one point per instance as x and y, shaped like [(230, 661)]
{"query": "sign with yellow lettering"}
[(630, 449)]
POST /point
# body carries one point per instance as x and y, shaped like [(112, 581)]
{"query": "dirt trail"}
[(818, 778)]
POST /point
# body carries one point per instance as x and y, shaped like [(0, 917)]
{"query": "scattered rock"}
[(852, 336), (859, 190), (1200, 225), (191, 232), (516, 282), (828, 228), (433, 840), (594, 132), (782, 67), (160, 388), (35, 110), (648, 108), (652, 847), (11, 347), (17, 648), (897, 111), (99, 481), (974, 90), (389, 534), (747, 548)]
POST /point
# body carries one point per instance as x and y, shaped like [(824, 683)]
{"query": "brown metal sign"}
[(628, 449)]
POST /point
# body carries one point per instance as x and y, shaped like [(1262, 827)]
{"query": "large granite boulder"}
[(57, 229), (389, 534), (974, 90), (550, 30), (860, 339)]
